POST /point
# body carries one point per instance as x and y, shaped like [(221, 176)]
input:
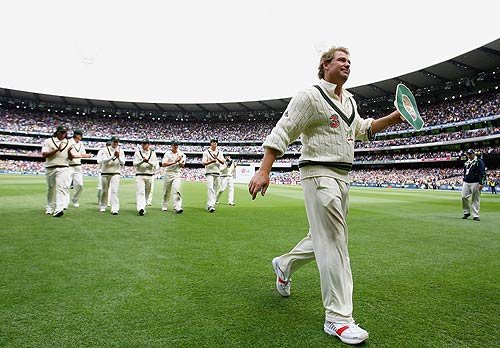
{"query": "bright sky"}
[(188, 51)]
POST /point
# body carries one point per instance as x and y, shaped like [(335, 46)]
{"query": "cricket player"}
[(474, 179), (145, 164), (326, 118), (75, 174), (173, 161), (227, 180), (212, 159), (99, 181), (110, 159), (56, 150)]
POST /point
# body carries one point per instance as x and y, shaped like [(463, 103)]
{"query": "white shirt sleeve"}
[(295, 119)]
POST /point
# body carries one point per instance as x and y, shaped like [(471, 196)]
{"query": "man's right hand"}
[(259, 183)]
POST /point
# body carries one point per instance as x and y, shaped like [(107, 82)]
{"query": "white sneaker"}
[(49, 211), (282, 283), (349, 333), (164, 209), (102, 210), (76, 205)]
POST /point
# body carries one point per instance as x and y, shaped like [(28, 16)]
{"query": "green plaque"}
[(407, 106)]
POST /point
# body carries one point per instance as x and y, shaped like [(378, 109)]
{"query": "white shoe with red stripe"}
[(282, 283), (349, 333)]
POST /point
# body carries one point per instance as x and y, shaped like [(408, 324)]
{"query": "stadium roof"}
[(468, 65)]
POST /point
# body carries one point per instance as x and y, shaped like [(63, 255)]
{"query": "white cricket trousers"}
[(172, 187), (327, 203), (212, 188), (149, 199), (226, 182), (75, 175), (468, 190), (57, 189), (142, 190), (110, 186)]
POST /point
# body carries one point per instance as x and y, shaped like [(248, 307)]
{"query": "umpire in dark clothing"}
[(474, 180)]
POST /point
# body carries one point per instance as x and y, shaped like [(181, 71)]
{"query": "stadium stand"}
[(460, 113)]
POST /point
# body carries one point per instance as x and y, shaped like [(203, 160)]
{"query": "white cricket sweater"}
[(327, 133), (109, 164), (145, 168)]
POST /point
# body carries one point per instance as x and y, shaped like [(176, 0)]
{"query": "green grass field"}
[(422, 276)]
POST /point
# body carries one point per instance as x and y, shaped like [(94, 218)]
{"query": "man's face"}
[(338, 69), (61, 135), (213, 145), (77, 138), (174, 148), (145, 146), (114, 144), (470, 156)]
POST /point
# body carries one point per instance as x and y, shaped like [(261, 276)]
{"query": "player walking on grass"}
[(326, 118), (173, 161), (75, 174), (227, 180), (110, 159), (145, 164), (212, 160), (474, 179), (57, 150)]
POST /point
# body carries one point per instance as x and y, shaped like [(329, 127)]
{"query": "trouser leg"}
[(50, 176), (167, 188), (149, 199), (140, 193), (176, 192), (476, 195), (77, 185), (326, 202), (68, 184), (105, 182), (212, 187), (300, 255), (61, 188), (466, 193), (114, 186), (230, 193)]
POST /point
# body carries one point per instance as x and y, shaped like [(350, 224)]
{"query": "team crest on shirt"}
[(334, 121)]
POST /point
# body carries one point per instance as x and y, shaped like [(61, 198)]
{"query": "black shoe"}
[(211, 209), (58, 213), (179, 211), (465, 216), (115, 213), (141, 212), (476, 218)]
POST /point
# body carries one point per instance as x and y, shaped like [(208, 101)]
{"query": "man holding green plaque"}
[(325, 116)]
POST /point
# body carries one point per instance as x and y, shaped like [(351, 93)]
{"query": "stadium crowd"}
[(160, 128), (454, 109)]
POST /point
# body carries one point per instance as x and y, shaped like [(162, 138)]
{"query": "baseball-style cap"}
[(145, 141), (77, 132), (61, 128), (470, 151), (175, 142), (113, 139), (214, 141)]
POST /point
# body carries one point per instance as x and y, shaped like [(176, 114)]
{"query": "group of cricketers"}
[(64, 170)]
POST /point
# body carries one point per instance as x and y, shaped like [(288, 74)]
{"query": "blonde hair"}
[(327, 56)]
